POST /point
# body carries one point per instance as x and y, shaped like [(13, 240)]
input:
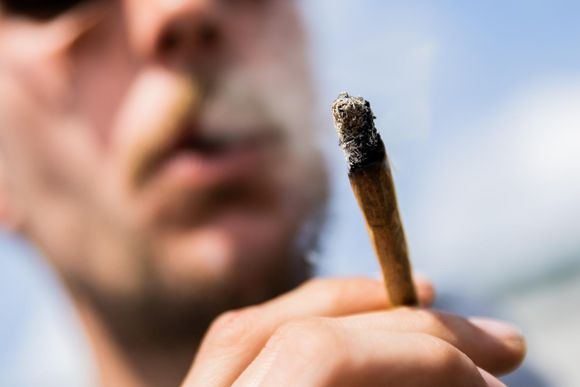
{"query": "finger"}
[(491, 380), (236, 338), (425, 289), (311, 354), (493, 345)]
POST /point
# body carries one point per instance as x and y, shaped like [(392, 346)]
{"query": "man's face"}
[(158, 148)]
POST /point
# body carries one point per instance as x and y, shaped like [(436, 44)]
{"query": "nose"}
[(176, 32)]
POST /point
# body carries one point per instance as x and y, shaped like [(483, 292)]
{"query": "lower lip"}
[(200, 170)]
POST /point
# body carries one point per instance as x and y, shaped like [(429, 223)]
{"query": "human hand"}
[(337, 332)]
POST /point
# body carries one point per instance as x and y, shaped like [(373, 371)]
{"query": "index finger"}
[(236, 338)]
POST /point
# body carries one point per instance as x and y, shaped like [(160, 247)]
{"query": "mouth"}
[(203, 158), (216, 145)]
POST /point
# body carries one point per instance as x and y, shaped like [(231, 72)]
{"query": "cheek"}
[(57, 106), (44, 143), (102, 70)]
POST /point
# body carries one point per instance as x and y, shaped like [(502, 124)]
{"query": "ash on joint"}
[(357, 134)]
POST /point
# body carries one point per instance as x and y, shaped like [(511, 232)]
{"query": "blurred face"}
[(159, 150)]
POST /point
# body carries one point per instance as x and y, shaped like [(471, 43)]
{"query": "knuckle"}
[(429, 321), (424, 321), (302, 328), (308, 340), (314, 285), (332, 292), (232, 327), (450, 359), (448, 363)]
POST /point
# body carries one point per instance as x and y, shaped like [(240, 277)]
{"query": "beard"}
[(170, 297), (169, 313), (164, 316)]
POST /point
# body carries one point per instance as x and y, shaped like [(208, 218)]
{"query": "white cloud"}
[(506, 202)]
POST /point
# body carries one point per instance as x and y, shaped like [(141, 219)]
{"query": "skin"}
[(154, 241)]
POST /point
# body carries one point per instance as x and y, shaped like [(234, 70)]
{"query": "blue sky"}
[(479, 104)]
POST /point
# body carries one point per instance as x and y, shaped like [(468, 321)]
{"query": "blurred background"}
[(479, 106)]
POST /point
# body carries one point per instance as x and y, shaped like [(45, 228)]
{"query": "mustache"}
[(243, 102), (163, 109)]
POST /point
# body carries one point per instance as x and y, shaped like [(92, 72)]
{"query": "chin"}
[(230, 245), (235, 247)]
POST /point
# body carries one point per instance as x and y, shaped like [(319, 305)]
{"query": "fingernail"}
[(499, 329), (491, 380)]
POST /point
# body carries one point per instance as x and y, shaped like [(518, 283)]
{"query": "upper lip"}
[(207, 142)]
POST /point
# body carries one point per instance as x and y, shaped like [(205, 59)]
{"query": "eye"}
[(39, 9)]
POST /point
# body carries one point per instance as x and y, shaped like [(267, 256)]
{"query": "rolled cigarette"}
[(372, 183)]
